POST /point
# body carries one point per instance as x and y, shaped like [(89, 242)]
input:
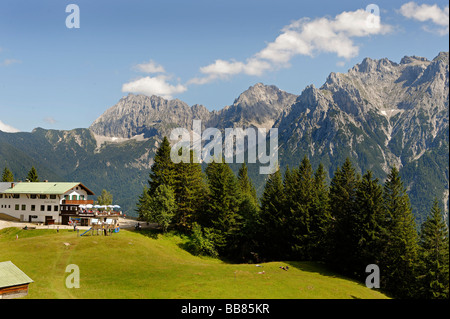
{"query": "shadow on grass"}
[(148, 232), (314, 267), (324, 270)]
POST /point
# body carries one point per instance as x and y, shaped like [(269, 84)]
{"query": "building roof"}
[(52, 188), (10, 275), (4, 186)]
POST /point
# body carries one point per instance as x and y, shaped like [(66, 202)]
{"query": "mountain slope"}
[(380, 114), (151, 116), (150, 265)]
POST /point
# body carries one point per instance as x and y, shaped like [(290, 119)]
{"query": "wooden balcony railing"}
[(77, 202)]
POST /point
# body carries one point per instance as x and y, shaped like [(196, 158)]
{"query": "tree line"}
[(8, 176), (350, 223)]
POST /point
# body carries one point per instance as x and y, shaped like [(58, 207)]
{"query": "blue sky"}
[(202, 52)]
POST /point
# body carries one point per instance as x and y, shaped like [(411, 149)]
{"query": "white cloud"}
[(224, 69), (7, 128), (153, 85), (425, 12), (7, 62), (150, 67), (49, 120), (157, 85), (302, 37)]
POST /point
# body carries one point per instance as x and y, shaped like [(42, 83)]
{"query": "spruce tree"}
[(247, 239), (370, 216), (434, 256), (32, 175), (162, 170), (245, 184), (320, 215), (299, 202), (274, 240), (221, 214), (400, 254), (7, 175), (142, 207), (342, 206), (189, 190), (161, 207)]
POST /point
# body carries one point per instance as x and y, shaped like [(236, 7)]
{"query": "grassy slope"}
[(138, 265)]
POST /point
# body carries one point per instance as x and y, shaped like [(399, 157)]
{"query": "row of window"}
[(74, 197), (34, 196), (42, 208)]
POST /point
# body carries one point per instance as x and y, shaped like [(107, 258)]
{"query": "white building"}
[(44, 202)]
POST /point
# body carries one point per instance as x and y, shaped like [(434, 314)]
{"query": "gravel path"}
[(123, 222)]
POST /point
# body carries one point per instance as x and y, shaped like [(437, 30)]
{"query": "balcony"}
[(77, 202)]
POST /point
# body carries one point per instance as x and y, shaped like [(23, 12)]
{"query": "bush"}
[(201, 242)]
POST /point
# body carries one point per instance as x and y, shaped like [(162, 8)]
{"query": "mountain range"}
[(379, 114)]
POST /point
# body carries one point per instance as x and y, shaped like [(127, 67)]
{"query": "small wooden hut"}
[(13, 281)]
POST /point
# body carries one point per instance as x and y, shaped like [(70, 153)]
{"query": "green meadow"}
[(146, 264)]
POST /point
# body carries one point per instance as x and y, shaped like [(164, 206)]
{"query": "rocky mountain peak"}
[(369, 65), (261, 93), (412, 59)]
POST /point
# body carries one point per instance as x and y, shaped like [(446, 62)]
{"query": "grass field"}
[(146, 265)]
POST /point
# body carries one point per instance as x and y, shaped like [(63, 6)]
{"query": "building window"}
[(33, 208), (24, 207), (1, 195), (52, 196), (16, 195), (33, 196), (42, 208), (42, 196), (74, 197), (55, 208), (17, 207), (49, 208)]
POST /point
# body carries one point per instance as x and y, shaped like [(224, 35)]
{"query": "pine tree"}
[(247, 239), (163, 168), (189, 189), (370, 216), (222, 206), (161, 207), (7, 175), (434, 256), (320, 215), (32, 175), (300, 202), (400, 254), (245, 184), (273, 239), (342, 206), (142, 207)]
